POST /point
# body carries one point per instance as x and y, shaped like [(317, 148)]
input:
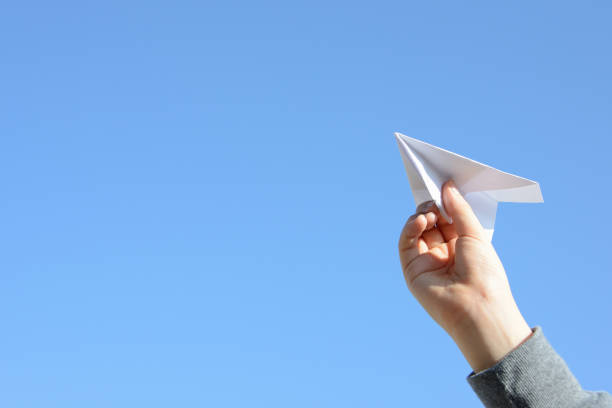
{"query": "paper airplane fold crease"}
[(429, 167)]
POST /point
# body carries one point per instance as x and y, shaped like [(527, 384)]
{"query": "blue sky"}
[(201, 200)]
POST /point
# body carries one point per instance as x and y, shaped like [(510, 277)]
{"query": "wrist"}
[(489, 333)]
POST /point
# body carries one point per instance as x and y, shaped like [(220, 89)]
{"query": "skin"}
[(454, 272)]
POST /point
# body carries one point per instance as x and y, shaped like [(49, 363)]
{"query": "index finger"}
[(414, 227)]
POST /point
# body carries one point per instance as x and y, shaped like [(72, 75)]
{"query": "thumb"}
[(464, 219)]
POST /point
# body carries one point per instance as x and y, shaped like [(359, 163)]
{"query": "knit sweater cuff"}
[(532, 375)]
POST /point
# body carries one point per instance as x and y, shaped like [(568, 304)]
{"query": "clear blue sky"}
[(201, 200)]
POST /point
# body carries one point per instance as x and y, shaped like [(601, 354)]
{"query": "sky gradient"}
[(201, 200)]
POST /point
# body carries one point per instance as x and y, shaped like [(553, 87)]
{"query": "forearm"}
[(533, 375), (489, 331)]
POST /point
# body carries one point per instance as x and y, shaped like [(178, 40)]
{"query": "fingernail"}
[(425, 207), (453, 188)]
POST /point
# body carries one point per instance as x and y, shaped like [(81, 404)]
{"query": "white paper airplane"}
[(429, 167)]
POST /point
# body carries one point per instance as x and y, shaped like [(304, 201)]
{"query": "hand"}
[(454, 272)]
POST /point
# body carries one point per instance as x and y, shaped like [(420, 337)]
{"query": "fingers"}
[(425, 207), (448, 230), (464, 220), (444, 231), (432, 236), (415, 226), (430, 261), (419, 234), (422, 242)]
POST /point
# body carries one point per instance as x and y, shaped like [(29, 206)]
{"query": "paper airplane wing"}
[(429, 167)]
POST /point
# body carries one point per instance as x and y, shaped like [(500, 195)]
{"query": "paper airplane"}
[(429, 167)]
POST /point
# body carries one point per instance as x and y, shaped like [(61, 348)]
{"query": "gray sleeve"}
[(533, 375)]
